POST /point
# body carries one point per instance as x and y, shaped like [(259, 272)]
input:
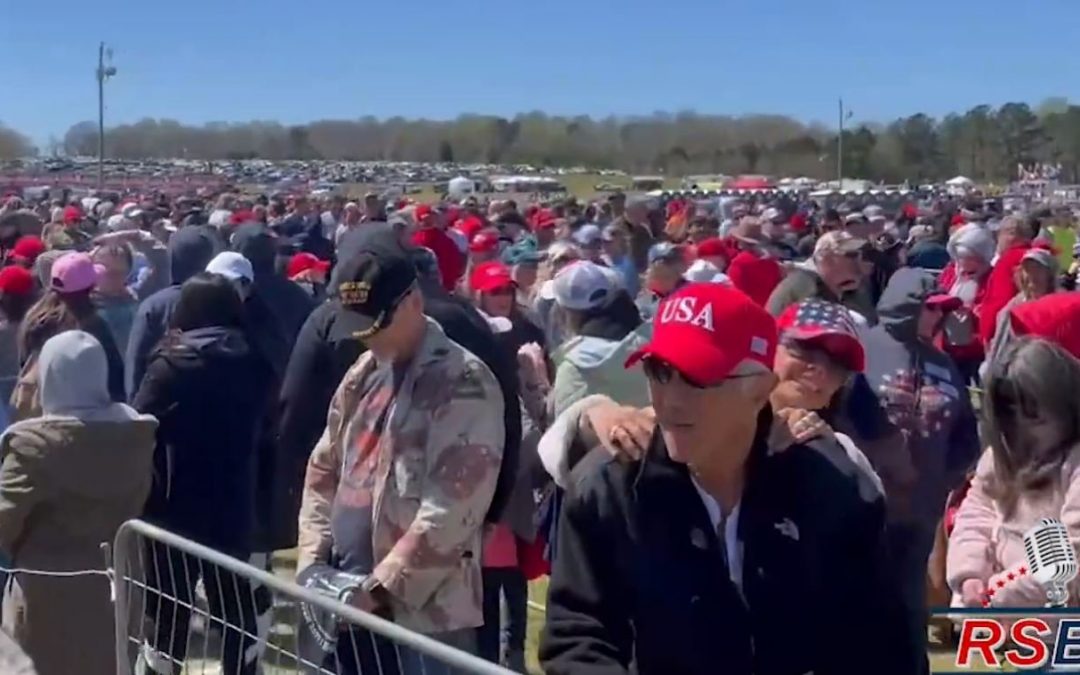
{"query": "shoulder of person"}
[(832, 474), (469, 377), (32, 438), (601, 479)]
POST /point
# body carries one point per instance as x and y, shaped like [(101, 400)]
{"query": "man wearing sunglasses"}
[(710, 553), (398, 486)]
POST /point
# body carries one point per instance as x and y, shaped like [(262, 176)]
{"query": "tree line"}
[(985, 143)]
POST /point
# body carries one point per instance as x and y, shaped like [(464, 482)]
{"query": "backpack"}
[(26, 396)]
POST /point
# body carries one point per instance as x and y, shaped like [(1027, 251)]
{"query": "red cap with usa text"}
[(705, 330)]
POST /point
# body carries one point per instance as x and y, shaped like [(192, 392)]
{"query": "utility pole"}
[(840, 149), (103, 73)]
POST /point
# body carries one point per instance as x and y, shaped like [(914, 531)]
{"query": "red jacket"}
[(1000, 289), (976, 350)]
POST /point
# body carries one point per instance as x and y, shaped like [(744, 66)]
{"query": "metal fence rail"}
[(182, 607)]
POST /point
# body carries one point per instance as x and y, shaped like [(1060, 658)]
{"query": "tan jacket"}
[(437, 464), (65, 488)]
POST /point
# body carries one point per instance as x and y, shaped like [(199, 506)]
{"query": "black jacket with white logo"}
[(640, 579)]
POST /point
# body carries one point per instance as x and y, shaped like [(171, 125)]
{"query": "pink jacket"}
[(985, 546)]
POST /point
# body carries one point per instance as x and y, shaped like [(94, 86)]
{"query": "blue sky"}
[(223, 60)]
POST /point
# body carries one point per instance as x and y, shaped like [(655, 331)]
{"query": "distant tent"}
[(461, 186), (960, 181)]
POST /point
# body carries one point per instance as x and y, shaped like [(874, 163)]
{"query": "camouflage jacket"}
[(436, 465)]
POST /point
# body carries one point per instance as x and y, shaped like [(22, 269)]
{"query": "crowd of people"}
[(728, 435)]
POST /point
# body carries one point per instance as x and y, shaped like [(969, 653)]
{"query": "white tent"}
[(461, 186), (960, 181)]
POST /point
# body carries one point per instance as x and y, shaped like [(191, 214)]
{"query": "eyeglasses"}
[(662, 372)]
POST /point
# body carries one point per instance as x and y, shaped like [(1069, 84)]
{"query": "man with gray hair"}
[(710, 547), (832, 274)]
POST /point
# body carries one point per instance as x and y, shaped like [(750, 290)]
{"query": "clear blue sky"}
[(294, 61)]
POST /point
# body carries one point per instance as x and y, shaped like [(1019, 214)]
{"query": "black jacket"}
[(640, 576), (285, 300), (209, 392)]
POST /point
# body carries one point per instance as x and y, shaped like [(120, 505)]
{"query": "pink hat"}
[(705, 330), (74, 272)]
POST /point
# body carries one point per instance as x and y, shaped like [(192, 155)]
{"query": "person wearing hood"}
[(926, 397), (17, 296), (971, 248), (287, 301), (190, 249), (325, 351), (1014, 238), (68, 480), (208, 387)]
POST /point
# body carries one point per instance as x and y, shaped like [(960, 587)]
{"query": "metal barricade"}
[(182, 607)]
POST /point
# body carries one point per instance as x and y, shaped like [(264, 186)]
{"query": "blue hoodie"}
[(190, 249)]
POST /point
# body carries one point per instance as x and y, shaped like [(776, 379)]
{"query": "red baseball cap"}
[(826, 326), (1055, 317), (469, 226), (490, 276), (302, 262), (72, 215), (944, 302), (422, 212), (484, 242), (15, 280), (544, 219), (28, 248), (705, 330), (713, 247)]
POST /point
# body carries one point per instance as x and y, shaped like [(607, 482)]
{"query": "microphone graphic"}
[(1052, 559)]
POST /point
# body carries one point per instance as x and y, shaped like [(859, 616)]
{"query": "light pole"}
[(840, 147), (104, 72)]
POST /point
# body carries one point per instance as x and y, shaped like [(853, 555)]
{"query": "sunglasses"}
[(662, 372)]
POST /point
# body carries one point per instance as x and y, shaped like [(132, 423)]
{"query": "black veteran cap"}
[(370, 286)]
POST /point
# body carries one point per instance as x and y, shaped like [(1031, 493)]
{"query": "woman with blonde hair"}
[(1030, 471)]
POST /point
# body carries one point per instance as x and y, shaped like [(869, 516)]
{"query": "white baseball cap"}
[(589, 235), (232, 266), (705, 271), (583, 285)]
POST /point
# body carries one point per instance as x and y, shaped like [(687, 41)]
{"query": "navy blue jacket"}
[(190, 249)]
